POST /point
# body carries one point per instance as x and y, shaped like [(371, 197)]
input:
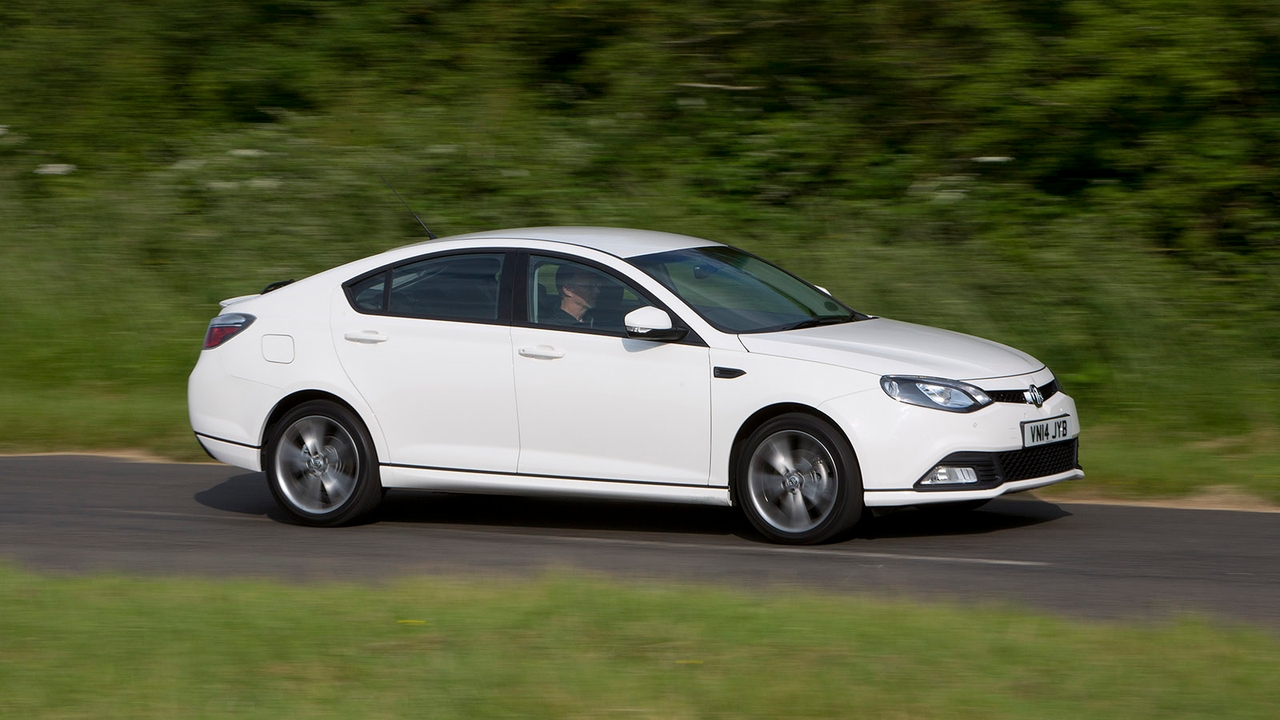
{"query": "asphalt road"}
[(89, 514)]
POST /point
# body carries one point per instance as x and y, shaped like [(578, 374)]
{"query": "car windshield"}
[(739, 293)]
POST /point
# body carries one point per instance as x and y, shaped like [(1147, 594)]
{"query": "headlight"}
[(949, 395)]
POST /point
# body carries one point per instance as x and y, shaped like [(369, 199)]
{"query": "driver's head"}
[(577, 285)]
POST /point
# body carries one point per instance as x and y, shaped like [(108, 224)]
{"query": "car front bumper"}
[(894, 498), (897, 444)]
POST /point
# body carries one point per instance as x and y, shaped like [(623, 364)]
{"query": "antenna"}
[(406, 207)]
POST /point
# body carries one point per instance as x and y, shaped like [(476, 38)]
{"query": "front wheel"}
[(321, 465), (798, 480)]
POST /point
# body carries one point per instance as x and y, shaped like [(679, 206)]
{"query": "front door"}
[(595, 404)]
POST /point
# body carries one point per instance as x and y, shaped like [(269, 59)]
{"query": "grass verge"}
[(564, 646), (1119, 463), (97, 418), (1134, 463)]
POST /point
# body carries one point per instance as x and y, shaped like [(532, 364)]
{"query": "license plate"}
[(1043, 432)]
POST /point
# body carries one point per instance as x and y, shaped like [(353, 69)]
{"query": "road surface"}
[(93, 514)]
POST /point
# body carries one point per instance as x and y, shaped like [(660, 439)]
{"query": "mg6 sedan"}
[(620, 364)]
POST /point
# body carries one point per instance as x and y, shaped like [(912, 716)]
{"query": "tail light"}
[(225, 327)]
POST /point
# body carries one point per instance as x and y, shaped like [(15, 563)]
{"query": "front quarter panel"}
[(770, 381)]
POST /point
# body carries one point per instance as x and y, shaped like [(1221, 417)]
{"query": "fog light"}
[(950, 476)]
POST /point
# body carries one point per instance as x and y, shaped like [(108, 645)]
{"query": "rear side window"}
[(369, 294), (454, 287)]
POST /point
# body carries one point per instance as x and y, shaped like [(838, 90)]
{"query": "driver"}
[(579, 290)]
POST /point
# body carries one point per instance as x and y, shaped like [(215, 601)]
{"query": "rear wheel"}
[(321, 465), (798, 480)]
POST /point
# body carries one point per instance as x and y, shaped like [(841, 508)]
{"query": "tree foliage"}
[(1173, 107)]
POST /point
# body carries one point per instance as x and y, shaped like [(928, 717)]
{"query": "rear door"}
[(428, 345)]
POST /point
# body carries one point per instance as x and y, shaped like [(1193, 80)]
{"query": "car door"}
[(427, 343), (594, 403)]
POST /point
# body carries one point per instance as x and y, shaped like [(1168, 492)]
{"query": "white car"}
[(616, 364)]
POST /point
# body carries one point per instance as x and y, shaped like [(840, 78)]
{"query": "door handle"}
[(368, 337), (542, 352)]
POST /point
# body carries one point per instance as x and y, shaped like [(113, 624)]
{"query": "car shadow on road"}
[(997, 515), (564, 513), (247, 493)]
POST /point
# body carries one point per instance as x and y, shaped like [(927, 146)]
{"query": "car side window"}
[(454, 287), (574, 296), (369, 294)]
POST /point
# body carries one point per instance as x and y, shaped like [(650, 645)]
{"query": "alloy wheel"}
[(792, 481), (317, 464)]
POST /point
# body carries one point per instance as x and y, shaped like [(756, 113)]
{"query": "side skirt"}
[(414, 478)]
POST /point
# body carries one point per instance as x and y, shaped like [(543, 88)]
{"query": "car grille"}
[(996, 468), (1019, 396), (1039, 461)]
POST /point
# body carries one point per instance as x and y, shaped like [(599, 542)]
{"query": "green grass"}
[(1131, 463), (108, 647), (97, 419)]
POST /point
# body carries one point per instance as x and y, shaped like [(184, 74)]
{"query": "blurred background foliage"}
[(1093, 182)]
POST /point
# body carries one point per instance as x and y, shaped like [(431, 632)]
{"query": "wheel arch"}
[(297, 398), (764, 415)]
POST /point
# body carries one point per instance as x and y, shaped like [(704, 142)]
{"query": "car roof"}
[(620, 242)]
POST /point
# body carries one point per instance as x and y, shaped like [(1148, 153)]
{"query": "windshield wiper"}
[(815, 322)]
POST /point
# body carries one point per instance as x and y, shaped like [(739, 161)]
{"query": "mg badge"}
[(1033, 396)]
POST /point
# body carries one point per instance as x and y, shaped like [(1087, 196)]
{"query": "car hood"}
[(889, 347)]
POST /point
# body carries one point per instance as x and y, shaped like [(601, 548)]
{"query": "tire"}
[(798, 482), (321, 465)]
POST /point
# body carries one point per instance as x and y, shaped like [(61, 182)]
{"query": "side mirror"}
[(651, 323)]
